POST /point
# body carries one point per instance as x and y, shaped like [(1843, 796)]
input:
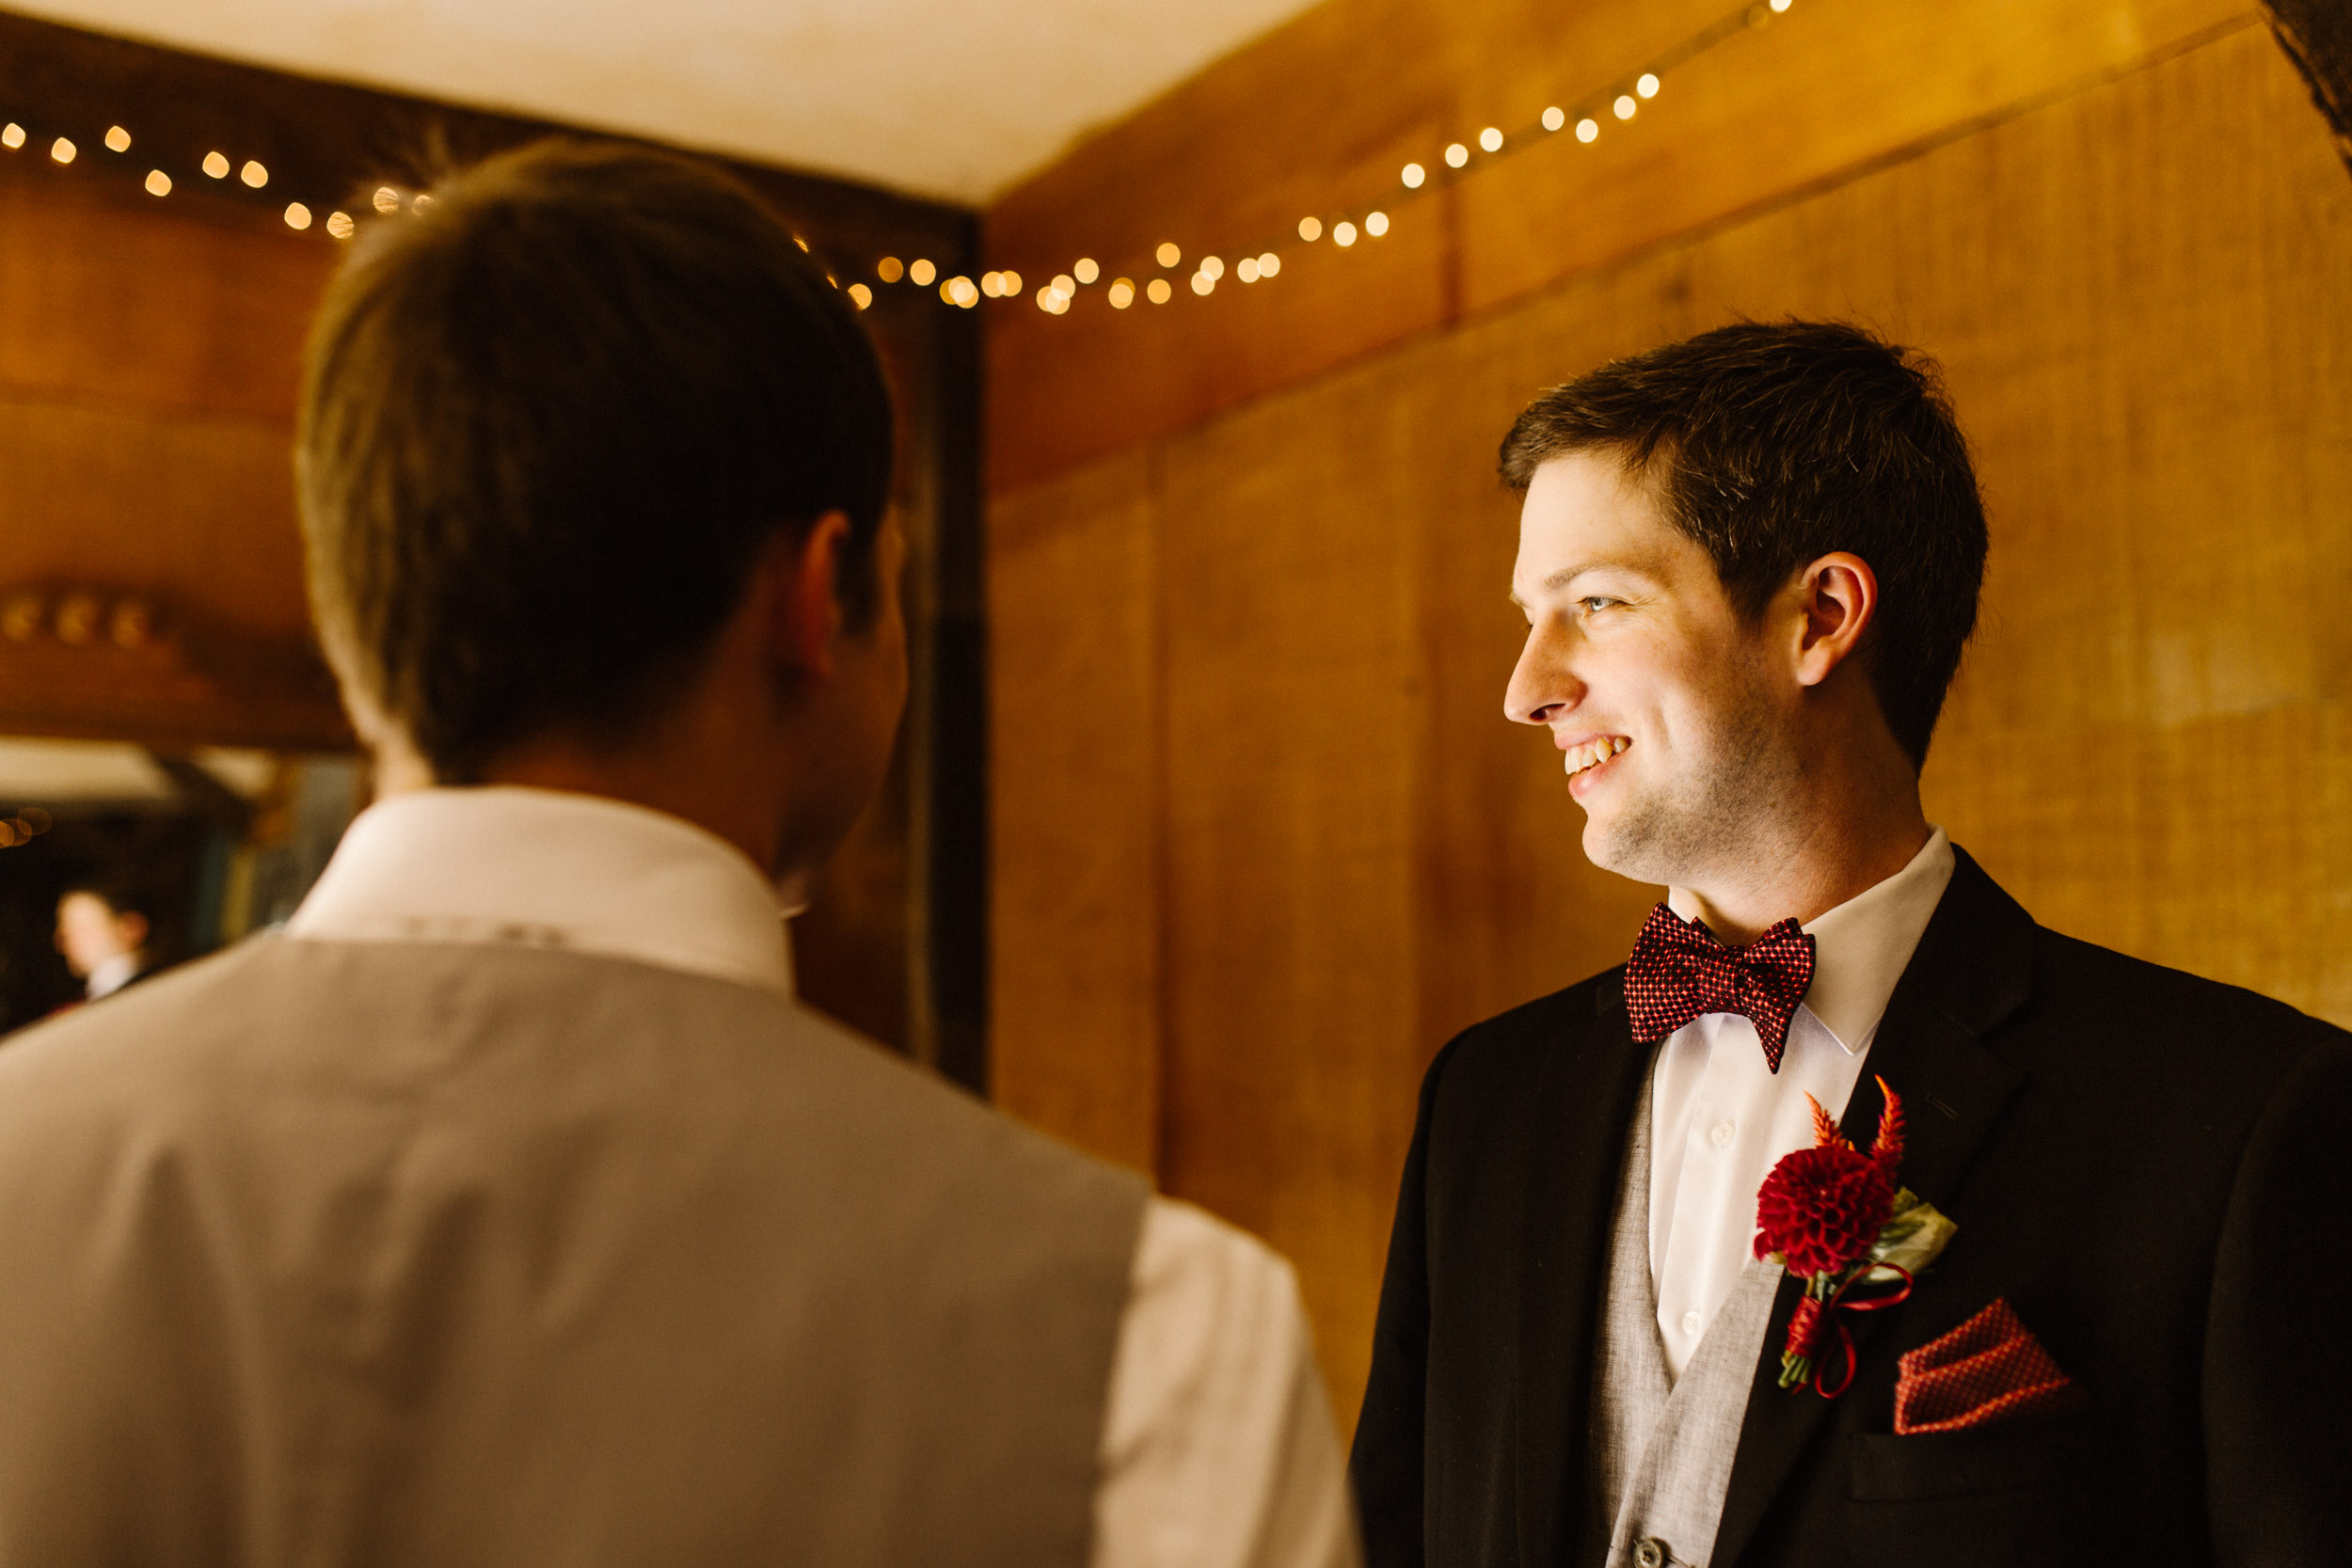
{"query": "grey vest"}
[(336, 1253), (1662, 1447)]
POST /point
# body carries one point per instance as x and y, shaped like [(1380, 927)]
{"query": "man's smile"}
[(1585, 759)]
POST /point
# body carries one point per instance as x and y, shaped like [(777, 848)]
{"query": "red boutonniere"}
[(1840, 1222)]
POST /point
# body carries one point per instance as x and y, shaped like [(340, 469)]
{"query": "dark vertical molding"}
[(950, 833), (2317, 37)]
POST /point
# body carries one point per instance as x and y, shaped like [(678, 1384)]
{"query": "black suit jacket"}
[(2155, 1170)]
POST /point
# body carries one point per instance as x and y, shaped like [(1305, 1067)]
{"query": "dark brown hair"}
[(548, 417), (1771, 445)]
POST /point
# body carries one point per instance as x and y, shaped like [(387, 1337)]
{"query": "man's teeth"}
[(1593, 753)]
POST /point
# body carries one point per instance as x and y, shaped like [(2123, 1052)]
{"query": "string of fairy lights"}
[(214, 165), (1621, 98)]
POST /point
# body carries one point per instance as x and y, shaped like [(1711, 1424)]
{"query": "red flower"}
[(1821, 1209)]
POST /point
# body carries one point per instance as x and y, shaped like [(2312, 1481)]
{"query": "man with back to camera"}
[(507, 1209), (1749, 563)]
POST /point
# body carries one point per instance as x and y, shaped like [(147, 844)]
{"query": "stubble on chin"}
[(1707, 823)]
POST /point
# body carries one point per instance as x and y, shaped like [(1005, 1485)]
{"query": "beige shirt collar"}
[(1861, 947), (547, 869)]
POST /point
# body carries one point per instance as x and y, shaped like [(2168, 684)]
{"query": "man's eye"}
[(1591, 605)]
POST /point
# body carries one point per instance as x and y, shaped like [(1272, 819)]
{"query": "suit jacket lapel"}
[(1974, 967), (1583, 1099)]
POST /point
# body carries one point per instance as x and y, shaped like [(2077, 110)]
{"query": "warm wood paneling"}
[(2138, 288), (1320, 116), (166, 311), (1076, 892)]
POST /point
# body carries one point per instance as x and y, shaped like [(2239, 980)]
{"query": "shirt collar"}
[(548, 869), (1861, 947), (109, 975)]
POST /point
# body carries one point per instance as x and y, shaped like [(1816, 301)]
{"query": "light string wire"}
[(1584, 116)]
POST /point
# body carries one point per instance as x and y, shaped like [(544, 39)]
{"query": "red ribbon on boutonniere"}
[(1838, 1219)]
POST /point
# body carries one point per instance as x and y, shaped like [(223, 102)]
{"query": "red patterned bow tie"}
[(1679, 971)]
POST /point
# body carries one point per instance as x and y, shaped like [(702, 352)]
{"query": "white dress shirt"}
[(1720, 1119), (109, 975), (1217, 1446)]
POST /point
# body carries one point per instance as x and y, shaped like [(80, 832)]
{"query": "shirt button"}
[(1649, 1552), (1720, 1135), (1690, 1322)]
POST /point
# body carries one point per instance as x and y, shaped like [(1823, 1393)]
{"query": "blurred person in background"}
[(103, 932)]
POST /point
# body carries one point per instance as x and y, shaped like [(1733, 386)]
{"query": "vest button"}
[(1649, 1552)]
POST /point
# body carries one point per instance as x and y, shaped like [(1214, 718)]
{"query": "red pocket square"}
[(1989, 1369)]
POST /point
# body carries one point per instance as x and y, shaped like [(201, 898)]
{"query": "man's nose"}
[(1542, 687)]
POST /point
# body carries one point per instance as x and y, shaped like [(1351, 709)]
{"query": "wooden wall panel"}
[(1291, 729), (1076, 905), (1320, 116), (2137, 291), (82, 313)]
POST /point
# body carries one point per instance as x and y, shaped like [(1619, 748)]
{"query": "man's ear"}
[(1837, 598), (133, 928), (800, 575)]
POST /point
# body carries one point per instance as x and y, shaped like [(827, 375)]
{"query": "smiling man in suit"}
[(1749, 564)]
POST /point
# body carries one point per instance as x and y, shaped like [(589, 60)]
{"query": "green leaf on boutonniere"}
[(1913, 1235)]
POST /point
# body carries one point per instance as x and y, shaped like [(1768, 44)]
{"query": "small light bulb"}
[(1246, 269), (890, 269), (1491, 139), (1375, 224), (1122, 293), (297, 217), (1310, 229), (61, 150), (339, 224), (1625, 106), (921, 272), (1064, 284), (860, 295), (253, 174), (217, 166), (158, 183), (1167, 253), (1554, 119), (1647, 86), (1202, 283), (1587, 130), (12, 135), (962, 293), (1011, 284), (1212, 268), (386, 200), (1269, 264), (1780, 5), (1159, 292), (1343, 234), (1456, 156), (420, 201), (117, 139), (1084, 270), (990, 284), (1414, 175)]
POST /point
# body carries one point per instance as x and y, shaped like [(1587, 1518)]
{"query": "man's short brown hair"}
[(1771, 445), (549, 415)]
